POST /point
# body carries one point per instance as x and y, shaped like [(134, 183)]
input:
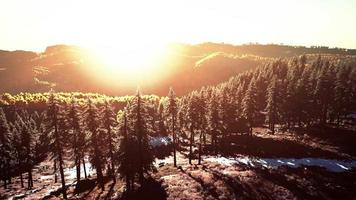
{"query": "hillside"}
[(69, 68)]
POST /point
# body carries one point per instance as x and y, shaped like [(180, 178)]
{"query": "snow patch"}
[(328, 164), (160, 141)]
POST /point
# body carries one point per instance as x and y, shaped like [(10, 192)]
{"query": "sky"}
[(36, 24)]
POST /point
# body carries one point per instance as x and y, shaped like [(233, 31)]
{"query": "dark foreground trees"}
[(5, 149), (135, 132), (109, 122), (76, 134), (172, 112), (96, 141), (56, 128), (298, 92)]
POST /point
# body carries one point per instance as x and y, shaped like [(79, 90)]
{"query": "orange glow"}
[(135, 64), (132, 61)]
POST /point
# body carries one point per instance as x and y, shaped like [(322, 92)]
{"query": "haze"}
[(126, 25)]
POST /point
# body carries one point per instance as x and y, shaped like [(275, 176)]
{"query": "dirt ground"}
[(214, 180)]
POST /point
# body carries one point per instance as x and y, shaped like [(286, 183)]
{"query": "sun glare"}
[(133, 62), (137, 60)]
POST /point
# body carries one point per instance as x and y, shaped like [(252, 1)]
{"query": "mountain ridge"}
[(65, 67)]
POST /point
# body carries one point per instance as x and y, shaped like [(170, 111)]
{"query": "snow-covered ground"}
[(328, 164), (71, 173), (160, 141)]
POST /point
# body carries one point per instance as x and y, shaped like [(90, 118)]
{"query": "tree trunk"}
[(77, 164), (64, 189), (55, 170), (200, 148), (338, 121), (85, 170), (204, 139), (214, 142), (199, 160), (272, 128), (174, 143), (21, 180), (200, 141), (111, 155), (29, 178), (5, 183), (191, 144), (99, 174)]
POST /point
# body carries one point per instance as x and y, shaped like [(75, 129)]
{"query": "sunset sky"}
[(33, 25)]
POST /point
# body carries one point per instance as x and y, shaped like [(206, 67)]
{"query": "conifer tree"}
[(42, 140), (249, 105), (341, 93), (272, 104), (16, 129), (109, 123), (214, 119), (193, 117), (172, 111), (202, 122), (96, 141), (161, 126), (324, 93), (76, 134), (26, 138), (138, 119), (55, 122), (6, 152), (127, 156)]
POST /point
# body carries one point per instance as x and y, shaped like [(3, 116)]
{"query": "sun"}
[(132, 61)]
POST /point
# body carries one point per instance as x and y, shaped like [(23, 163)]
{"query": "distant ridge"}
[(65, 67)]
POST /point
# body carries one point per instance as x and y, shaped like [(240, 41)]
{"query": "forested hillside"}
[(185, 67), (299, 92)]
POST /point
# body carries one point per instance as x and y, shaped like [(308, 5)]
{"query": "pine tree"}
[(95, 141), (172, 111), (341, 92), (127, 156), (249, 105), (27, 143), (42, 140), (324, 93), (193, 117), (272, 104), (76, 134), (227, 112), (138, 119), (162, 130), (109, 122), (55, 123), (214, 119), (6, 152), (202, 122), (16, 129)]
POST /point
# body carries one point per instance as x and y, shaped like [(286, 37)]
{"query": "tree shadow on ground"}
[(303, 183), (162, 151), (151, 189), (86, 185), (312, 182), (342, 138), (110, 192), (209, 189), (267, 147), (238, 188)]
